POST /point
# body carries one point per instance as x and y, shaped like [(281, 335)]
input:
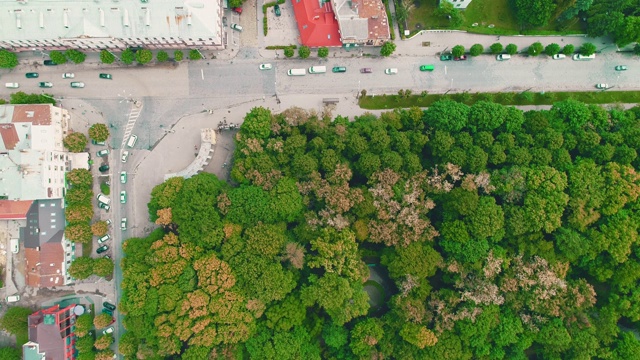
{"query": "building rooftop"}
[(42, 239), (14, 209), (362, 20), (127, 19), (316, 23), (50, 334)]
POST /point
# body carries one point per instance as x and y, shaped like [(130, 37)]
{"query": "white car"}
[(265, 66), (125, 156), (602, 86), (108, 330), (68, 75), (123, 224), (391, 71), (558, 56), (236, 27), (15, 248), (12, 85)]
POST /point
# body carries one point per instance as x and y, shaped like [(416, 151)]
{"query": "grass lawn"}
[(525, 98), (482, 14)]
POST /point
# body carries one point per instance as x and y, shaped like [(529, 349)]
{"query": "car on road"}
[(108, 330), (125, 156), (237, 10), (580, 57), (12, 85), (104, 239), (31, 75), (236, 27), (123, 177), (558, 56), (339, 69), (45, 84), (132, 141), (103, 152), (265, 66), (50, 63), (446, 57), (123, 197), (276, 10), (13, 298), (104, 206), (461, 58), (621, 67), (602, 86), (68, 75), (15, 247), (77, 84), (102, 249), (391, 71), (366, 71), (104, 168), (224, 21), (123, 224), (427, 67), (109, 306), (105, 76)]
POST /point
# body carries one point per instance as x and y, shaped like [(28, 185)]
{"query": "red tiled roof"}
[(317, 25), (9, 136), (11, 209), (44, 267), (38, 114)]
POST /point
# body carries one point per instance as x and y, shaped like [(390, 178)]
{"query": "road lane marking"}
[(202, 73)]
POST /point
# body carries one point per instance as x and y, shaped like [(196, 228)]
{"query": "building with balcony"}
[(51, 334)]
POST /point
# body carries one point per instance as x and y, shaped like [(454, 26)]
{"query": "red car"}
[(365, 70), (463, 57), (237, 10)]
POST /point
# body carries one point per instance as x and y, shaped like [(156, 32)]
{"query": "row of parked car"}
[(49, 84)]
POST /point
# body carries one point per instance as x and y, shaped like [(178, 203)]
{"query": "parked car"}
[(102, 249), (105, 76), (265, 66), (104, 206), (50, 63), (446, 57), (104, 168), (104, 239), (123, 224), (237, 10), (558, 56), (224, 21), (236, 27), (339, 69), (108, 222), (45, 84), (13, 298), (103, 152), (77, 84), (101, 143), (108, 330), (109, 306), (427, 67), (123, 197), (461, 58), (15, 246), (602, 86), (12, 85), (31, 75), (276, 10), (503, 57), (123, 177), (125, 156), (366, 71), (68, 75), (621, 67), (391, 71)]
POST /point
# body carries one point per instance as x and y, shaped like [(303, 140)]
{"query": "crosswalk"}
[(134, 114)]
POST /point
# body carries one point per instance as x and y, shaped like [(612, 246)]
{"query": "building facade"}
[(93, 25)]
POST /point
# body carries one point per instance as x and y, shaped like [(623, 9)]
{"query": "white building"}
[(33, 161), (29, 25)]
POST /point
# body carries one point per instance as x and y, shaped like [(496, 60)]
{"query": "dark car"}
[(446, 57), (461, 58), (45, 84), (339, 69), (109, 306), (31, 75), (104, 168), (50, 63), (105, 76), (276, 9), (102, 249)]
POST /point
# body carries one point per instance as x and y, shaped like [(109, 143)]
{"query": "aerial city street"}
[(366, 179)]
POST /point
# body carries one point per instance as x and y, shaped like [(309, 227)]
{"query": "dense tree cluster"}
[(492, 234)]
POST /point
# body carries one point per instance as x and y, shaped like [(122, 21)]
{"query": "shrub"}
[(107, 57), (457, 51), (535, 49), (8, 60), (57, 57), (323, 52), (144, 56), (552, 49), (75, 142), (388, 48), (76, 56), (265, 26), (476, 50), (288, 52), (588, 49), (105, 189), (304, 52), (99, 132), (194, 54), (127, 56), (178, 55), (568, 49), (512, 49), (496, 48), (162, 56)]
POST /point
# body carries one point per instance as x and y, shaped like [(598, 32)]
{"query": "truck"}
[(317, 69), (297, 72)]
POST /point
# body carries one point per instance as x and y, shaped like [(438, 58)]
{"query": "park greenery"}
[(8, 60), (491, 233), (387, 48)]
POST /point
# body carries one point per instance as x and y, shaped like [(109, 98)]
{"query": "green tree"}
[(457, 51), (8, 60), (128, 344), (78, 195), (257, 123), (81, 268), (107, 57), (57, 57), (388, 48), (162, 56), (103, 267), (178, 55), (85, 343), (534, 13), (102, 320), (588, 49), (636, 49), (79, 177), (304, 52), (76, 56), (496, 48), (568, 49), (476, 49), (99, 132), (14, 321), (75, 142), (323, 52), (365, 335), (552, 49), (194, 54), (341, 299), (143, 56), (103, 342), (84, 323), (127, 56), (335, 336), (10, 353), (447, 115), (511, 49), (535, 49), (288, 52)]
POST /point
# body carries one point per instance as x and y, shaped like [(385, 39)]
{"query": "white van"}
[(12, 85), (297, 72), (317, 69), (579, 57), (132, 141), (103, 199), (503, 57)]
